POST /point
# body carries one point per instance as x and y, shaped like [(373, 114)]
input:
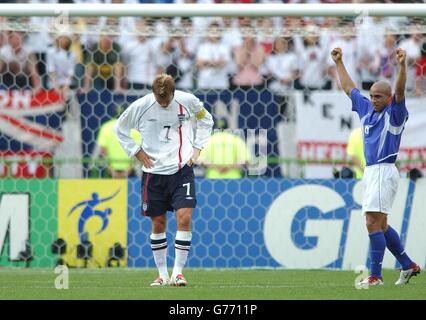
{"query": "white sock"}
[(159, 250), (182, 246)]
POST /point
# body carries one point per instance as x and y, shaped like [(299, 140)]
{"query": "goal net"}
[(265, 74)]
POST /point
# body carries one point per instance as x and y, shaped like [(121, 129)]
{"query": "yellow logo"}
[(92, 219)]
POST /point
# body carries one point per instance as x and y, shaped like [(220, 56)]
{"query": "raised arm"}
[(402, 75), (345, 80)]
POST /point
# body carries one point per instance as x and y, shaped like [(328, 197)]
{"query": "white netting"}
[(284, 56), (64, 79)]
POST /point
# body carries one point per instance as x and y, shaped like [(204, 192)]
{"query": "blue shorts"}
[(162, 193)]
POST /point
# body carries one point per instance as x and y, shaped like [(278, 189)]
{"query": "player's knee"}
[(370, 225), (158, 224), (373, 225), (184, 222)]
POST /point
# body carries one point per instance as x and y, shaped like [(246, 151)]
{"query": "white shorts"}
[(380, 184)]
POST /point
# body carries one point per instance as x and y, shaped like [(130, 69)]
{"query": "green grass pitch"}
[(204, 284)]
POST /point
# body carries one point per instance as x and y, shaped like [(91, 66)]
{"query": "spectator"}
[(89, 39), (368, 40), (421, 72), (355, 151), (126, 23), (293, 23), (61, 63), (232, 36), (201, 24), (225, 154), (168, 57), (39, 42), (412, 45), (104, 69), (371, 45), (313, 62), (17, 65), (179, 61), (141, 56), (119, 23), (212, 60), (3, 34), (387, 65), (187, 47), (191, 39), (369, 66), (281, 66), (265, 39), (161, 26), (249, 58), (328, 33)]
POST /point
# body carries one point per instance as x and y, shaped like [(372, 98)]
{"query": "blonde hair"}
[(163, 86)]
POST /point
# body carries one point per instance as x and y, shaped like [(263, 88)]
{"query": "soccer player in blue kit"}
[(383, 118)]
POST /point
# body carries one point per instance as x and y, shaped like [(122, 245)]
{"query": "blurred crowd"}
[(208, 53), (282, 54)]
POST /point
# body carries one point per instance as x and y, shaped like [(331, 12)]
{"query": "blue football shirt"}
[(381, 131)]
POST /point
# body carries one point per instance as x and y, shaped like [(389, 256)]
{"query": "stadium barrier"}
[(247, 223)]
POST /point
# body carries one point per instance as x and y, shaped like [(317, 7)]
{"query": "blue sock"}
[(393, 242), (378, 247)]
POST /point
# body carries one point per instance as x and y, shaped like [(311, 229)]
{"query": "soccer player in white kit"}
[(167, 154), (383, 120)]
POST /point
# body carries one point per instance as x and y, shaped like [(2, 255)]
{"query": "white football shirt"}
[(167, 133)]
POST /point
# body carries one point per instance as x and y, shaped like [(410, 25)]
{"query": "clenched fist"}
[(400, 56), (336, 54)]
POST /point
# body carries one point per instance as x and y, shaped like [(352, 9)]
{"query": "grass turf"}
[(210, 284)]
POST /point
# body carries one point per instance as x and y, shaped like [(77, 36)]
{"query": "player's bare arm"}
[(402, 75), (144, 158), (345, 80), (195, 156)]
